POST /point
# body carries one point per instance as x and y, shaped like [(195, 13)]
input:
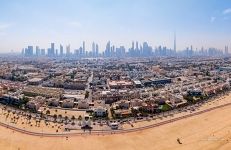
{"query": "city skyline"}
[(40, 23), (135, 50)]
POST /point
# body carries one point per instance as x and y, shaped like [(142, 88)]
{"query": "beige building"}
[(83, 104), (68, 103), (43, 91), (120, 84)]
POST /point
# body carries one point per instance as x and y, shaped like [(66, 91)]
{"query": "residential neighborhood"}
[(109, 90)]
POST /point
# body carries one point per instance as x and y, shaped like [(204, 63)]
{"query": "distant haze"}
[(39, 22)]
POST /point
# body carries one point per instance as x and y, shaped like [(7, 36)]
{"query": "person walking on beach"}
[(178, 140)]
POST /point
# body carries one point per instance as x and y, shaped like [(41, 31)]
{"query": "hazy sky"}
[(39, 22)]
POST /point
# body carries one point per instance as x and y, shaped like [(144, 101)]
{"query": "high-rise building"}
[(133, 45), (37, 51), (226, 50), (76, 52), (120, 52), (51, 51), (43, 52), (147, 50), (137, 46), (68, 50), (97, 50), (93, 49), (61, 50), (108, 49), (83, 51), (29, 51), (112, 54)]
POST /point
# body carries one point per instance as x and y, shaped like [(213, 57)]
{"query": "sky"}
[(199, 23)]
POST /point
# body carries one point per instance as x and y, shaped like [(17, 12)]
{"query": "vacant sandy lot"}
[(210, 130)]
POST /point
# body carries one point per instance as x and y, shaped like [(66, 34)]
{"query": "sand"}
[(211, 130)]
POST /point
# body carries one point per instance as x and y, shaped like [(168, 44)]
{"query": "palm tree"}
[(66, 118), (60, 116), (8, 111), (7, 115), (48, 112), (29, 117), (55, 117), (73, 118), (80, 118), (134, 112)]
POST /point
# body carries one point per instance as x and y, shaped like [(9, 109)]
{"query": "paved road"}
[(88, 86)]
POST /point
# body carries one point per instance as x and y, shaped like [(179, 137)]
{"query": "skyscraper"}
[(108, 49), (133, 45), (226, 50), (68, 50), (37, 51), (96, 50), (93, 49), (146, 49), (61, 50), (43, 52), (112, 51), (51, 51), (29, 51), (83, 51), (137, 45), (174, 42)]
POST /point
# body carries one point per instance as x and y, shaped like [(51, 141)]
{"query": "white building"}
[(100, 111), (86, 122)]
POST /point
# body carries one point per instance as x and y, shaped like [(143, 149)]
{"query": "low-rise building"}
[(120, 84), (53, 102), (43, 91), (36, 103), (35, 81), (68, 103), (123, 104), (121, 113), (83, 104), (100, 111)]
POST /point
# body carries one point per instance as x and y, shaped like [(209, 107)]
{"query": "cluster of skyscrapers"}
[(136, 50)]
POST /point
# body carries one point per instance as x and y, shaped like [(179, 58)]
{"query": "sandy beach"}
[(210, 130)]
